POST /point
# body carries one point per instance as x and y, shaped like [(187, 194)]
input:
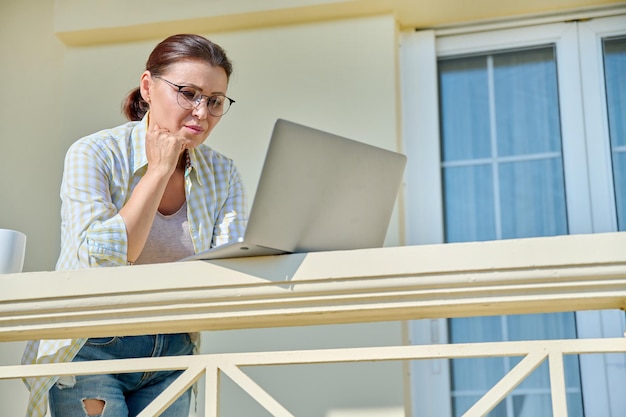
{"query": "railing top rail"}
[(565, 273)]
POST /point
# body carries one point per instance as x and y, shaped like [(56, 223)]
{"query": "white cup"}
[(12, 251)]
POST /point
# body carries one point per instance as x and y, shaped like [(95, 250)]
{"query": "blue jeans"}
[(127, 394)]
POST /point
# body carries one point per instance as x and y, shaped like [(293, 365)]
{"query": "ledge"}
[(81, 23), (539, 275), (76, 24)]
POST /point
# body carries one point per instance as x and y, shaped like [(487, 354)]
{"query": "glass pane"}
[(615, 78), (461, 404), (549, 326), (464, 330), (531, 405), (475, 375), (465, 100), (526, 108), (468, 216), (619, 177), (532, 198)]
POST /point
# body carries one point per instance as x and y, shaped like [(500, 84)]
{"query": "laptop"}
[(317, 192)]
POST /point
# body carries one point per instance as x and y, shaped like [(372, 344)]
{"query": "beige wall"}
[(337, 75), (31, 149)]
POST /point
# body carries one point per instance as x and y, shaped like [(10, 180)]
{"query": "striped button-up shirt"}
[(101, 170)]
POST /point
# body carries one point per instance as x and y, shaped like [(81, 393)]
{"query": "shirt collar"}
[(193, 163)]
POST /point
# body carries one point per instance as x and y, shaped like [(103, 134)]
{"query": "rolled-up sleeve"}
[(92, 231)]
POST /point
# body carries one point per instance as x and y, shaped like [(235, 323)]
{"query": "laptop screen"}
[(319, 191)]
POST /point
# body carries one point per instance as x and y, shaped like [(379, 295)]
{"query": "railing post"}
[(557, 385)]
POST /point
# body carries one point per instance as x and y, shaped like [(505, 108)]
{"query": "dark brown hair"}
[(174, 49)]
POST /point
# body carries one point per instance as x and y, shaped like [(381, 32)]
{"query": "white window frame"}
[(588, 175)]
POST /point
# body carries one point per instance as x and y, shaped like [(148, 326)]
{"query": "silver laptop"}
[(318, 192)]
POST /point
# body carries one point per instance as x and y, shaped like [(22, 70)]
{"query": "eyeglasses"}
[(189, 98)]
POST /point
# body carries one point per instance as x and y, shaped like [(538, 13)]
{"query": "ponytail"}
[(134, 106)]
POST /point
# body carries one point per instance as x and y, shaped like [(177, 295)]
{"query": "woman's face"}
[(196, 123)]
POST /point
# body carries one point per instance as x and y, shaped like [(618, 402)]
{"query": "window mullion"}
[(494, 149), (578, 195)]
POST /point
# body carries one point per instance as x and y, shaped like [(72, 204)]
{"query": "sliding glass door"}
[(531, 141)]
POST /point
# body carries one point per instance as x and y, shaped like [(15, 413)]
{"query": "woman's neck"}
[(183, 160)]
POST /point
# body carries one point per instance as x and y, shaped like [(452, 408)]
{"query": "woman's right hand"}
[(163, 150)]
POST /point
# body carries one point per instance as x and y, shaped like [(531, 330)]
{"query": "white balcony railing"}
[(566, 273)]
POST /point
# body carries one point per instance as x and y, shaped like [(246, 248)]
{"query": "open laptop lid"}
[(318, 192)]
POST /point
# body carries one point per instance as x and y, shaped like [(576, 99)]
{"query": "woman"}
[(144, 192)]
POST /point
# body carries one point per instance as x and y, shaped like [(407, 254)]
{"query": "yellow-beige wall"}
[(337, 75), (66, 64)]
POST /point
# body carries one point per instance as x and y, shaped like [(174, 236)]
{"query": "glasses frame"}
[(195, 103)]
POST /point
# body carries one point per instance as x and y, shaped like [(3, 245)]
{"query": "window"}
[(501, 146), (519, 133)]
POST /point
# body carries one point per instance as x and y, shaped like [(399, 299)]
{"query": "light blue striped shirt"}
[(101, 170)]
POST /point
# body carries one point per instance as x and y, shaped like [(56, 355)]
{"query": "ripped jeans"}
[(121, 395)]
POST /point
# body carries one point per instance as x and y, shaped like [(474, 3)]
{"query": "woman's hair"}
[(174, 49)]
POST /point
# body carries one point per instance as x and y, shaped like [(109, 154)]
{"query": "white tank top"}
[(169, 239)]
